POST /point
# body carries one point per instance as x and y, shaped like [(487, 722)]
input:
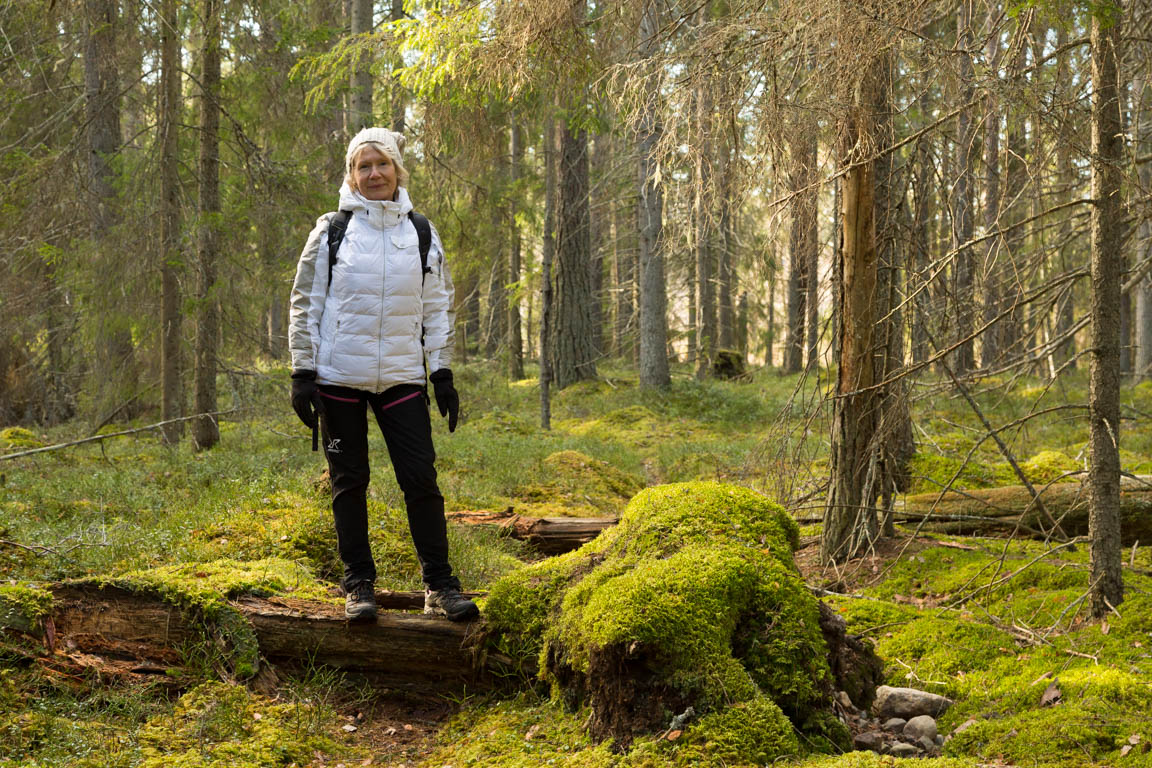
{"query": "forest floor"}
[(991, 622)]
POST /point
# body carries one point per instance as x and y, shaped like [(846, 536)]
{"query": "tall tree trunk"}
[(1142, 317), (994, 244), (397, 96), (803, 211), (171, 259), (496, 319), (1065, 353), (726, 254), (920, 284), (625, 243), (703, 212), (1008, 273), (548, 252), (1107, 586), (515, 337), (962, 284), (850, 522), (360, 97), (573, 353), (599, 223), (894, 429), (770, 319), (205, 432), (115, 359), (650, 213)]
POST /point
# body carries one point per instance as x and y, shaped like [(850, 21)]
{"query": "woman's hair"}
[(350, 171)]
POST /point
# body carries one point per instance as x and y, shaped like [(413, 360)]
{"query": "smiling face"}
[(374, 174)]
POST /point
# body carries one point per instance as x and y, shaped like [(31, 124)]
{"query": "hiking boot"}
[(447, 601), (360, 603)]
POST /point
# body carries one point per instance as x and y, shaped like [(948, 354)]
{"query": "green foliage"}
[(22, 605)]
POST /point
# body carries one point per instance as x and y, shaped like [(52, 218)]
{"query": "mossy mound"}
[(577, 485), (692, 600), (217, 725), (22, 606), (16, 438), (932, 471)]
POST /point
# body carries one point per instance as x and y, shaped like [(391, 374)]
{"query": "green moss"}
[(751, 733), (217, 725), (578, 482), (873, 760), (1048, 467), (22, 606), (519, 733), (15, 438), (698, 581)]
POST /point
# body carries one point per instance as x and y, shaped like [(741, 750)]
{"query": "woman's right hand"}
[(306, 398)]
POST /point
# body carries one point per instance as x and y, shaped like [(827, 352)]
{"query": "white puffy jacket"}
[(364, 330)]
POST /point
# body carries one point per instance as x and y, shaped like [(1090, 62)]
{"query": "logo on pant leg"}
[(334, 446)]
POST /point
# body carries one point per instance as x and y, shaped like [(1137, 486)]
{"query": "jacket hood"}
[(382, 213)]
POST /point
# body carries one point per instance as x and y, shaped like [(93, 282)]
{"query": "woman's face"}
[(375, 174)]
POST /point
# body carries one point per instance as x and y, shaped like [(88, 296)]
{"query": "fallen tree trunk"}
[(548, 535), (998, 510), (401, 651)]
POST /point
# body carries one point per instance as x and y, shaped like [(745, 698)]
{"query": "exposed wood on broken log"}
[(548, 535), (401, 651)]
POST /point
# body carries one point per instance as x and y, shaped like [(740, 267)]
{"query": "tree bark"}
[(994, 245), (850, 522), (360, 97), (574, 356), (726, 254), (703, 212), (1065, 353), (548, 253), (170, 319), (205, 432), (963, 284), (397, 105), (515, 331), (650, 212), (1142, 316), (1107, 272), (547, 535)]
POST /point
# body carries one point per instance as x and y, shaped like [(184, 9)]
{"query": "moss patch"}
[(225, 726), (578, 484), (692, 599), (22, 605), (17, 438)]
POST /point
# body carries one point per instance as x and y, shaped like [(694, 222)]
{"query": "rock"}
[(870, 741), (895, 724), (927, 744), (908, 702), (900, 749), (921, 726), (939, 740), (963, 727), (845, 701)]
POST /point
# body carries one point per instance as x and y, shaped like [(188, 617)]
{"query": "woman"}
[(365, 321)]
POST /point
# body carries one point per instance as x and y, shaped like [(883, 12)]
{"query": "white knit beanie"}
[(392, 142)]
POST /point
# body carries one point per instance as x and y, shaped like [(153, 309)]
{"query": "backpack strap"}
[(337, 226), (424, 232)]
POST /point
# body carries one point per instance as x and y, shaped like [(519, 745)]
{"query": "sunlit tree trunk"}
[(548, 252), (705, 234), (1107, 586), (650, 211), (360, 98), (1142, 316)]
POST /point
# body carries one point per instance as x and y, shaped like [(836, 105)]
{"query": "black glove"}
[(446, 398), (306, 398)]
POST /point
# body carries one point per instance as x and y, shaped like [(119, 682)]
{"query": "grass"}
[(940, 617)]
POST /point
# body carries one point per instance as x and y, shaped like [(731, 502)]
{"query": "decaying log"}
[(400, 651), (548, 535), (997, 510)]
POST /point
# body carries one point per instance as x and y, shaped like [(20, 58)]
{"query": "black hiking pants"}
[(402, 414)]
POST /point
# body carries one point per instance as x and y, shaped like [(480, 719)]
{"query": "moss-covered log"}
[(548, 535), (404, 651), (995, 510)]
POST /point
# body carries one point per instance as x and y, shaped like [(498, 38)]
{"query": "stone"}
[(927, 744), (921, 726), (939, 740), (901, 749), (870, 741), (846, 702), (895, 724), (908, 702)]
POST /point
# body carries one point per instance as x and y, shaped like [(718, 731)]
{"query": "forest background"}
[(918, 233)]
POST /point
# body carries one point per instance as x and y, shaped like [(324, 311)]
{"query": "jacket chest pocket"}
[(405, 243)]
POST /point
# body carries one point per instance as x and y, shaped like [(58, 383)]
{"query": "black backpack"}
[(339, 224)]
